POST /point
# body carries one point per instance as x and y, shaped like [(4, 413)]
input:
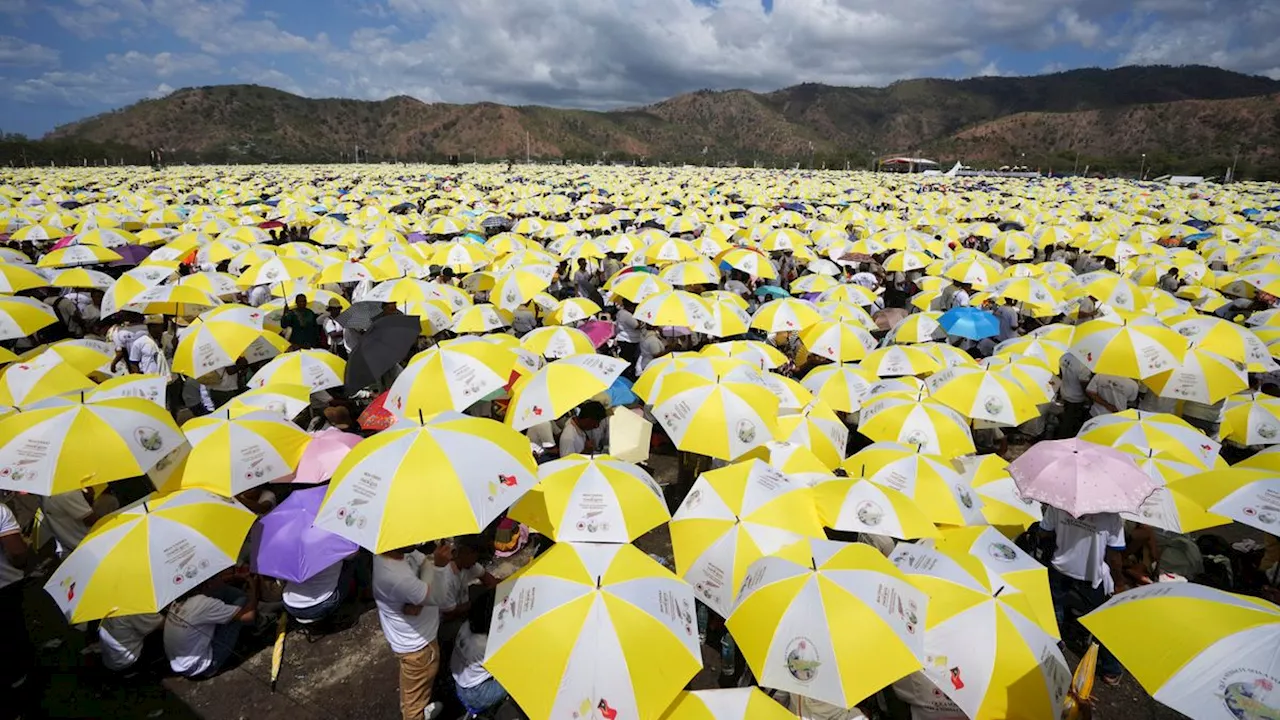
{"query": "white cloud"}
[(120, 79), (16, 52), (1242, 35), (1079, 30)]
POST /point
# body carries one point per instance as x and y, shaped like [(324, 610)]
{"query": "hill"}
[(1097, 112)]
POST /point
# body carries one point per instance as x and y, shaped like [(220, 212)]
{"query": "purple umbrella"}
[(289, 548), (130, 255)]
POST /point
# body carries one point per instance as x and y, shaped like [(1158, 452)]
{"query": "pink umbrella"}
[(323, 453), (1081, 477), (598, 330)]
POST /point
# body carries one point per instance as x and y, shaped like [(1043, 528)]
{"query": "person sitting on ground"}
[(122, 637), (318, 597), (201, 628), (476, 686)]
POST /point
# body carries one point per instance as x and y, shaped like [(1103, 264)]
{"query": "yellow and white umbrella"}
[(929, 426), (1009, 564), (519, 286), (218, 338), (1033, 347), (572, 310), (982, 645), (452, 376), (858, 505), (61, 448), (317, 369), (1128, 350), (748, 703), (22, 316), (817, 427), (184, 300), (287, 401), (16, 278), (1203, 376), (756, 352), (238, 454), (1002, 505), (481, 318), (806, 616), (1244, 494), (843, 387), (592, 499), (557, 341), (719, 418), (785, 315), (1251, 419), (638, 286), (148, 554), (918, 328), (676, 308), (277, 270), (452, 475), (1160, 432), (559, 387), (1229, 340), (1220, 665), (838, 340), (898, 360), (73, 255), (42, 377), (731, 518), (986, 395), (942, 493), (594, 631)]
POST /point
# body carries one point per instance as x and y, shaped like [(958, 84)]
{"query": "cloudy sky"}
[(61, 60)]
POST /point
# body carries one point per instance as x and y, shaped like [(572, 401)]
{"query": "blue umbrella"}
[(620, 392), (772, 291), (971, 323)]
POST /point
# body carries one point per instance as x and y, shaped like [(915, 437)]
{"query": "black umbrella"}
[(388, 340)]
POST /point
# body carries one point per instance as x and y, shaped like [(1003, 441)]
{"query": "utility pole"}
[(1235, 158), (1142, 168)]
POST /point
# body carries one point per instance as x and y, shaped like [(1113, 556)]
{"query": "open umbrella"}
[(288, 545), (971, 323), (387, 342), (1081, 477)]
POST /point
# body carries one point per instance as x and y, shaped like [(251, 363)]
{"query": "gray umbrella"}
[(387, 341)]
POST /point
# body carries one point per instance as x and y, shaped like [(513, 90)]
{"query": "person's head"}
[(469, 550), (1109, 263), (590, 415), (335, 307), (389, 308), (582, 263), (480, 616), (1173, 272), (300, 302), (155, 325)]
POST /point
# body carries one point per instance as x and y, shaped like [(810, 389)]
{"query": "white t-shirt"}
[(628, 327), (573, 441), (651, 347), (959, 299), (737, 287), (1082, 545), (259, 295), (121, 638), (1119, 392), (188, 632), (64, 514), (8, 526), (1075, 376), (396, 584), (314, 590), (926, 700), (147, 354), (455, 583), (468, 656), (124, 335)]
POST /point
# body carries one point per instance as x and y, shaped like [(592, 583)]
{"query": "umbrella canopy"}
[(1081, 477), (411, 483), (592, 629), (289, 547), (559, 387), (592, 499), (807, 615), (144, 556), (971, 323), (386, 343)]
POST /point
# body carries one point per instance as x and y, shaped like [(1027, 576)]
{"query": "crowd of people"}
[(435, 602)]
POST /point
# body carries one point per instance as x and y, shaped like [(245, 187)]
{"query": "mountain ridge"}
[(806, 123)]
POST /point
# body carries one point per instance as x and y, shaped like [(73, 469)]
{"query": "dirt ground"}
[(350, 674)]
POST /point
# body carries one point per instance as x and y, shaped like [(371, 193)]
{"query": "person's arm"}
[(1115, 556), (441, 557), (15, 549), (249, 612)]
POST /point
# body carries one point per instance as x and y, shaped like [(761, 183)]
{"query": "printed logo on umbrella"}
[(802, 660)]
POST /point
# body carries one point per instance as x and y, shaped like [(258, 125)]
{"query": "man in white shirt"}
[(1086, 569), (629, 336), (651, 348), (960, 298), (584, 433), (122, 336), (1075, 378), (18, 656), (456, 578), (121, 638), (410, 623), (150, 354), (319, 596), (201, 629), (259, 295), (1111, 394), (334, 332), (69, 516)]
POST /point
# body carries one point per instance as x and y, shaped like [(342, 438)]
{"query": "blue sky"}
[(61, 60)]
